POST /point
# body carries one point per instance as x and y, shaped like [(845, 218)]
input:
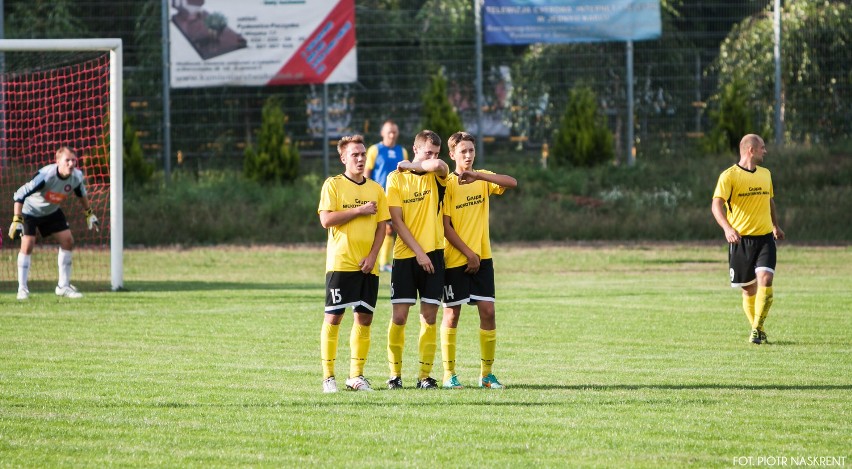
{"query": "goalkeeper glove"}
[(92, 220), (16, 230)]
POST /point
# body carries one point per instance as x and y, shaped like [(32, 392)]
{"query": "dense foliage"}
[(583, 138), (667, 198), (274, 159), (815, 69), (732, 117), (438, 113), (137, 171)]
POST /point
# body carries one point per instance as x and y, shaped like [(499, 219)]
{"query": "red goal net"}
[(50, 99)]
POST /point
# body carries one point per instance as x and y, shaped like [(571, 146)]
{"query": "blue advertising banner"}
[(566, 21)]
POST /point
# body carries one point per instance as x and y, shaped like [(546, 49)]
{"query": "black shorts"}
[(460, 288), (351, 289), (750, 255), (408, 278), (47, 225)]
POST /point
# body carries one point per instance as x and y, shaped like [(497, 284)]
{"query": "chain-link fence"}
[(678, 78)]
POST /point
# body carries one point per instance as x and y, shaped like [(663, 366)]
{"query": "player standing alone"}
[(415, 192), (744, 206), (354, 210), (37, 208), (382, 158), (469, 275)]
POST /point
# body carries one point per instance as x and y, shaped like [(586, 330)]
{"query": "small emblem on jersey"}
[(67, 187)]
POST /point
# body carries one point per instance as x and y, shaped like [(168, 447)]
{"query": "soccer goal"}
[(64, 92)]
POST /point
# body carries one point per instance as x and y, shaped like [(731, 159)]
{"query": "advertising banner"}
[(566, 21), (262, 42)]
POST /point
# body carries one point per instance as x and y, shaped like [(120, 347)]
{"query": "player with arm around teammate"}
[(469, 274), (415, 194), (744, 206), (37, 207), (382, 158), (354, 210)]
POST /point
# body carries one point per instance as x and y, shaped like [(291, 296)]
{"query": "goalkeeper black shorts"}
[(46, 225)]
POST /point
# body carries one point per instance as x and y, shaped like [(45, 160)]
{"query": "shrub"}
[(731, 116), (439, 115), (275, 159), (137, 171), (583, 138)]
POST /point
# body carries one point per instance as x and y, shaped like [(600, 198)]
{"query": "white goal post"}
[(116, 103)]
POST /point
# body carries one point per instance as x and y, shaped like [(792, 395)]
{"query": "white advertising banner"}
[(262, 42)]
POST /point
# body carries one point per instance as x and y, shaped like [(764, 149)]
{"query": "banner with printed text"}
[(566, 21), (262, 42)]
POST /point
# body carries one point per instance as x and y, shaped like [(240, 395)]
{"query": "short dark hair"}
[(427, 136)]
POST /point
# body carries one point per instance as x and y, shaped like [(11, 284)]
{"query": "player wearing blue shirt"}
[(382, 159)]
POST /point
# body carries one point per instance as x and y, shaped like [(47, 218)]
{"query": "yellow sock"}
[(487, 348), (427, 345), (748, 307), (385, 251), (762, 303), (448, 351), (359, 343), (328, 348), (396, 340)]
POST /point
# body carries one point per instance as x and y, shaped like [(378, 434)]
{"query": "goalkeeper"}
[(37, 208)]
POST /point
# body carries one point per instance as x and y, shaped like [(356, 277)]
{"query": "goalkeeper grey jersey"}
[(43, 194)]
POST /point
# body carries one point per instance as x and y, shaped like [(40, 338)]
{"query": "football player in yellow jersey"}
[(354, 210), (744, 206), (469, 274), (415, 193)]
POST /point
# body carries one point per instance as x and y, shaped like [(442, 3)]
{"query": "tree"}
[(275, 159), (44, 19), (816, 76), (438, 113), (732, 118), (583, 138), (137, 171)]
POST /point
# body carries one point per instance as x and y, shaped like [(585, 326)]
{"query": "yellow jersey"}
[(420, 196), (468, 208), (747, 195), (350, 243)]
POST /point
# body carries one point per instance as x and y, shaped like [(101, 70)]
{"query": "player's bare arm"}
[(719, 213), (503, 180), (473, 259), (369, 262), (405, 234), (433, 165), (777, 232), (330, 218)]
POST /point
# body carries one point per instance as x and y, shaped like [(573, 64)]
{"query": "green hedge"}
[(667, 198)]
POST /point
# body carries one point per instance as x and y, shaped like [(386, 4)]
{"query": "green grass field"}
[(614, 356)]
